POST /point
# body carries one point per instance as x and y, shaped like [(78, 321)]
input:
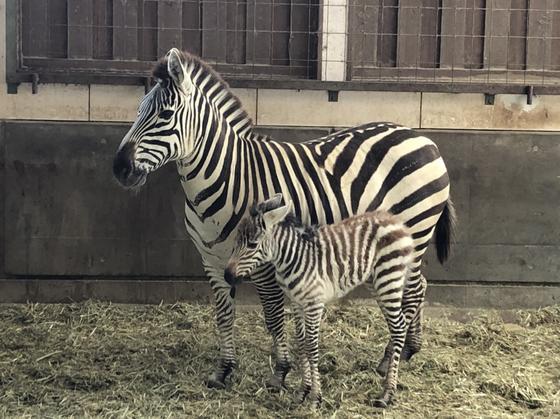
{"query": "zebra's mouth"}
[(129, 174), (135, 181)]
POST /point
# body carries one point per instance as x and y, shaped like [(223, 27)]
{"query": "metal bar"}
[(13, 42), (404, 86)]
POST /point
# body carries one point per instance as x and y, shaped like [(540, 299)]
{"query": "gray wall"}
[(64, 215)]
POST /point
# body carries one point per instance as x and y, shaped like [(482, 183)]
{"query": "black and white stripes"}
[(317, 265), (191, 117)]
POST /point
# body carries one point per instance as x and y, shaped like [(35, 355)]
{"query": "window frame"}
[(121, 74)]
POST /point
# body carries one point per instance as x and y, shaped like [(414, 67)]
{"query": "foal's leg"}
[(272, 299), (313, 314), (302, 353), (413, 297), (397, 328)]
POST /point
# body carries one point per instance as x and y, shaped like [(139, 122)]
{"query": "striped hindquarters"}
[(393, 259)]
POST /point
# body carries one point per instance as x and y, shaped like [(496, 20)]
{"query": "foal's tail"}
[(445, 231)]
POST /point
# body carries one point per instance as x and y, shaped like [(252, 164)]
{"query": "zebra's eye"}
[(165, 114), (252, 245)]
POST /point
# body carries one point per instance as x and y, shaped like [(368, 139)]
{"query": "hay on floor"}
[(104, 360)]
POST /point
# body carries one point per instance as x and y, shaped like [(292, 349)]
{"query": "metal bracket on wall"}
[(34, 83), (489, 98), (333, 95), (530, 93), (12, 88)]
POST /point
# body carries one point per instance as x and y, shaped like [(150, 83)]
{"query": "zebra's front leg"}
[(313, 314), (272, 299), (225, 314)]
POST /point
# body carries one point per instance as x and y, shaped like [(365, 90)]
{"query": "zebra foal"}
[(317, 265)]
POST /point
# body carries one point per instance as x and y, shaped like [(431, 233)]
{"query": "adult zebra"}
[(192, 117)]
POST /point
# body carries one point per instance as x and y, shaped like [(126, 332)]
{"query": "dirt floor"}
[(103, 360)]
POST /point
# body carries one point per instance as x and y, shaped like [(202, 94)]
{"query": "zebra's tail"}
[(445, 229)]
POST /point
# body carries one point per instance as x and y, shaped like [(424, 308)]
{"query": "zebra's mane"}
[(202, 70), (308, 232)]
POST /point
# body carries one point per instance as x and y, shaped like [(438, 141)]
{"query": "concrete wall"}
[(66, 216)]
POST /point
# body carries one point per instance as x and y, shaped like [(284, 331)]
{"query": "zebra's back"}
[(374, 247), (374, 166)]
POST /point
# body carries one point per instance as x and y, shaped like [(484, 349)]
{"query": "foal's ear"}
[(176, 67), (276, 215), (270, 203)]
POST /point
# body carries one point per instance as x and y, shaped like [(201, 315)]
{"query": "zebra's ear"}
[(175, 67), (274, 216), (271, 203)]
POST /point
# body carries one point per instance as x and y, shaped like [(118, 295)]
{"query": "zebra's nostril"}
[(123, 163), (121, 167)]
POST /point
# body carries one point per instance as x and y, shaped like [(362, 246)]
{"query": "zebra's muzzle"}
[(231, 277), (125, 171)]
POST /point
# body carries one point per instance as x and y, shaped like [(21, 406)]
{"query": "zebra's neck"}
[(216, 139), (291, 242), (219, 175)]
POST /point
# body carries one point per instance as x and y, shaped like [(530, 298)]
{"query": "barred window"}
[(486, 46), (241, 38)]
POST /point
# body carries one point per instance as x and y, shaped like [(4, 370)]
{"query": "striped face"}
[(255, 237), (250, 247), (156, 136)]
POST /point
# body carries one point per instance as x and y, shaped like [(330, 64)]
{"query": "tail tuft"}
[(445, 230)]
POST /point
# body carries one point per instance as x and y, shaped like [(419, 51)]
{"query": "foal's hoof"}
[(380, 403), (383, 367), (408, 351), (383, 401), (315, 401), (215, 382), (303, 393), (275, 384)]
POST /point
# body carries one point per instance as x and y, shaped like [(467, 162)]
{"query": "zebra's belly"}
[(319, 289)]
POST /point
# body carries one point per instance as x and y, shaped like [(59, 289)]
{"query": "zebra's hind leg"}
[(388, 288), (272, 299), (397, 328), (413, 341), (225, 314), (413, 297)]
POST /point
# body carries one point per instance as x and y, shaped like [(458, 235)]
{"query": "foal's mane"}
[(200, 70), (308, 232)]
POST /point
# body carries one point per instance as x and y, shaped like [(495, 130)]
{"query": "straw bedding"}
[(104, 360)]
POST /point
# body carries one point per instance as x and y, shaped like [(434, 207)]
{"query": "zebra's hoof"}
[(383, 367), (303, 393), (380, 403), (315, 400), (215, 382), (409, 351), (383, 401), (275, 384)]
